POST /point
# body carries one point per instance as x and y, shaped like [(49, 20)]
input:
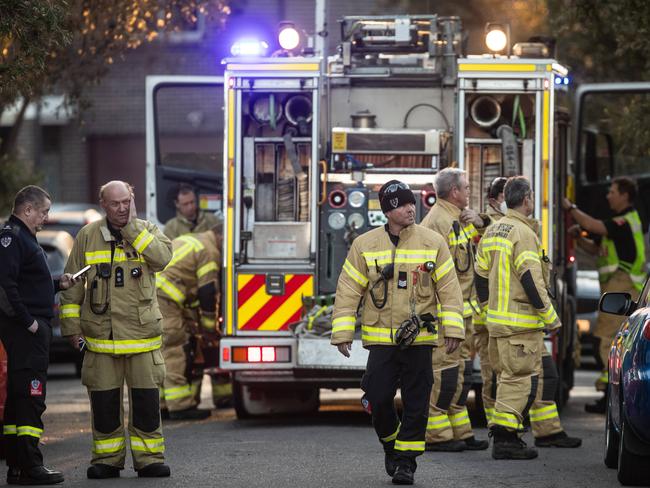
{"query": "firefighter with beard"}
[(449, 428), (397, 276)]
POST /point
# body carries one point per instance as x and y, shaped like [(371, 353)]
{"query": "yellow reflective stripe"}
[(544, 413), (391, 437), (147, 445), (170, 289), (208, 322), (503, 278), (497, 244), (376, 334), (514, 320), (373, 258), (9, 430), (489, 413), (105, 446), (123, 347), (451, 319), (459, 419), (178, 392), (482, 261), (506, 420), (70, 311), (526, 256), (97, 257), (355, 274), (415, 255), (29, 430), (409, 445), (206, 268), (342, 324), (603, 378), (425, 336), (441, 271), (193, 241), (142, 241), (120, 257), (549, 316), (180, 253), (438, 422)]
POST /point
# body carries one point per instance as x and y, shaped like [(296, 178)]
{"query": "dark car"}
[(587, 297), (57, 246), (71, 217), (627, 445)]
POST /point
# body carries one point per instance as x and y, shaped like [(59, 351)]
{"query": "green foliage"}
[(14, 174)]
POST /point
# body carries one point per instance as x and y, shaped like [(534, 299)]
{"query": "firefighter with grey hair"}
[(449, 428)]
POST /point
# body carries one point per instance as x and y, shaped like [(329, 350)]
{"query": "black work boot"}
[(390, 461), (446, 446), (473, 444), (403, 475), (559, 439), (189, 414), (101, 471), (39, 475), (155, 470), (508, 445), (599, 406), (13, 474)]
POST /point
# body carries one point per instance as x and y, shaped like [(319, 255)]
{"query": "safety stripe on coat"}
[(131, 346)]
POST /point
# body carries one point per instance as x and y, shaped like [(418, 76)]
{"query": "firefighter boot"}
[(390, 461), (102, 471), (189, 414), (154, 470), (508, 445), (559, 439), (599, 406), (446, 446), (404, 473), (39, 475), (13, 474), (473, 444)]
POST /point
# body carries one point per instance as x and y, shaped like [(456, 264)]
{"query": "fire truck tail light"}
[(261, 354), (225, 354)]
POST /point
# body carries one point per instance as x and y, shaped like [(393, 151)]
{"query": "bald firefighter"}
[(116, 315), (397, 275), (543, 415), (512, 281), (187, 294), (449, 428)]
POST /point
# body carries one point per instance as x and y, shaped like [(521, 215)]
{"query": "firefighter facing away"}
[(117, 316), (512, 280), (620, 261), (396, 276), (27, 292), (543, 414), (449, 428), (187, 295)]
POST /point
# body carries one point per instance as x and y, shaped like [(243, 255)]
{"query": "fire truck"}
[(291, 149)]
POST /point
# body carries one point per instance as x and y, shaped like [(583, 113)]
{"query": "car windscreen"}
[(55, 260)]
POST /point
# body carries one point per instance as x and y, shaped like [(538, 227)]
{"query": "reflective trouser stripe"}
[(603, 378), (178, 392), (439, 422), (506, 420), (409, 445), (459, 419), (489, 413), (391, 437), (29, 430), (147, 445), (108, 446), (545, 413), (9, 430)]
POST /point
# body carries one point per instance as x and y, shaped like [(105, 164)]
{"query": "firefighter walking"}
[(620, 261), (117, 316), (399, 273), (187, 295), (513, 281), (449, 428)]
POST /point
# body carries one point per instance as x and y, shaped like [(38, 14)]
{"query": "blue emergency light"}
[(249, 47)]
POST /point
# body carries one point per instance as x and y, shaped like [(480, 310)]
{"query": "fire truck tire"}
[(238, 401), (257, 400)]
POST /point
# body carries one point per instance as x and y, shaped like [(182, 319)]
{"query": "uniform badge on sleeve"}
[(36, 388), (5, 241)]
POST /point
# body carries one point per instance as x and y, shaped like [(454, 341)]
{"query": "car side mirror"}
[(617, 303)]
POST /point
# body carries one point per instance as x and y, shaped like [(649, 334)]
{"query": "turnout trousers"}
[(27, 361), (104, 375), (389, 367), (452, 374), (180, 389), (543, 414), (517, 362)]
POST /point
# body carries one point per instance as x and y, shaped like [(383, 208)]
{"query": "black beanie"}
[(394, 194)]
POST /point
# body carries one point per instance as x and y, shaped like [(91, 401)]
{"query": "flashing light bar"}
[(260, 354), (562, 80), (289, 38), (249, 47)]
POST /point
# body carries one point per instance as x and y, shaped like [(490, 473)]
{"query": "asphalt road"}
[(334, 448)]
